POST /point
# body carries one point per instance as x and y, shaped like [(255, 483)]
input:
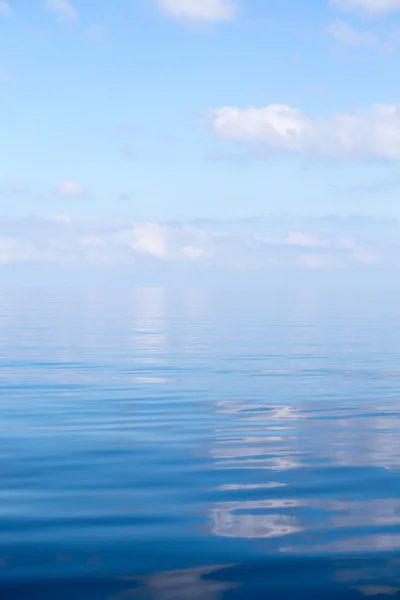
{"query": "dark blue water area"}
[(173, 444)]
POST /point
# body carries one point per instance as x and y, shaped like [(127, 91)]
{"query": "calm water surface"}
[(189, 444)]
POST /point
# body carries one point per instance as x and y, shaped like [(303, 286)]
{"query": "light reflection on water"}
[(149, 434)]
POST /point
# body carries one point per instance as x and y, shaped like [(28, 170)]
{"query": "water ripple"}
[(179, 445)]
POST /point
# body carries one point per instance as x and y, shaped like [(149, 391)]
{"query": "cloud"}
[(60, 219), (69, 188), (367, 258), (373, 7), (360, 134), (15, 250), (346, 34), (317, 261), (192, 252), (150, 239), (199, 10), (309, 240), (371, 187), (166, 242), (63, 8), (5, 8), (296, 238), (313, 244)]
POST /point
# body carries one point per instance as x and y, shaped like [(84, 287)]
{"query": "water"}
[(190, 444)]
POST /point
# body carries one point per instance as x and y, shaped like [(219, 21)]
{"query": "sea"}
[(187, 443)]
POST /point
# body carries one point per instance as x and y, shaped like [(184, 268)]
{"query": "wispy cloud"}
[(5, 8), (212, 245), (15, 250), (199, 10), (371, 7), (371, 187), (348, 35), (63, 8), (69, 188), (309, 240), (345, 34), (361, 134)]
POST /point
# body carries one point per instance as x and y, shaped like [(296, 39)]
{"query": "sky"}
[(221, 133)]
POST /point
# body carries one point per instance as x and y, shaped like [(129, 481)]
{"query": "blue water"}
[(173, 444)]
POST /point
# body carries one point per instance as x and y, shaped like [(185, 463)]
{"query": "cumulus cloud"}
[(199, 10), (150, 238), (370, 133), (157, 241), (63, 8), (373, 7), (69, 188), (5, 8), (62, 240)]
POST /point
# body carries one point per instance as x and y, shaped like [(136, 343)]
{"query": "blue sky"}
[(149, 111)]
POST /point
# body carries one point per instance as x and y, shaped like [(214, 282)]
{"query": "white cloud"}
[(193, 252), (348, 244), (60, 219), (69, 188), (372, 133), (296, 238), (373, 7), (150, 238), (317, 261), (63, 8), (200, 10), (308, 240), (5, 8), (165, 242), (367, 258), (346, 34), (62, 240), (14, 250)]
